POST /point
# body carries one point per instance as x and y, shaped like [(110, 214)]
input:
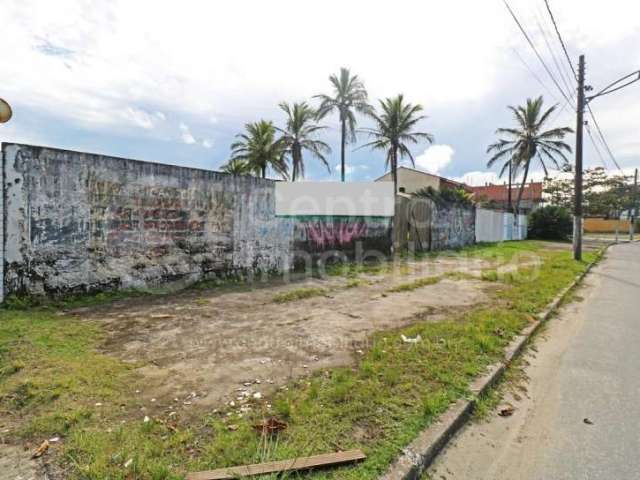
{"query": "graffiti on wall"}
[(344, 236), (334, 234), (452, 227)]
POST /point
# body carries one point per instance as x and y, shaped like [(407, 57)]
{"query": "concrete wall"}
[(83, 222), (452, 227), (338, 238), (497, 226), (489, 225), (601, 225)]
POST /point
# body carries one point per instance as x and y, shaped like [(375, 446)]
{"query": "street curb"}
[(421, 452)]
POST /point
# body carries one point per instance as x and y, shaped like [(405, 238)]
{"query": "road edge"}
[(422, 451)]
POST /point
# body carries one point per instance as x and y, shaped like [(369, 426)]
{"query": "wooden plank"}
[(301, 463)]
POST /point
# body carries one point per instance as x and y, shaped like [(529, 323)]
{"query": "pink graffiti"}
[(324, 234)]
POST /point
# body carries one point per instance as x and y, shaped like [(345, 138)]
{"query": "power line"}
[(602, 139), (533, 74), (553, 78), (562, 71), (564, 47), (595, 146)]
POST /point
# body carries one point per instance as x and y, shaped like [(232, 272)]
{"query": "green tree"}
[(236, 166), (603, 194), (299, 135), (348, 97), (529, 141), (259, 149), (394, 132), (550, 223)]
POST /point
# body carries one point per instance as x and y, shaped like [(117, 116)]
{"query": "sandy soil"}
[(208, 347)]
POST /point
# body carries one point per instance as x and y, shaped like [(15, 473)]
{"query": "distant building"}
[(497, 196), (410, 180)]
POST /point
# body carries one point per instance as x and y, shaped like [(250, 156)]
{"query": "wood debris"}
[(301, 463)]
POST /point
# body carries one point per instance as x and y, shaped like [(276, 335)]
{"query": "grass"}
[(419, 283), (53, 375), (299, 294)]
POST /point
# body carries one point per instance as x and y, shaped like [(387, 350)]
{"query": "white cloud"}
[(350, 169), (478, 178), (188, 138), (435, 158), (207, 143), (142, 118), (85, 63)]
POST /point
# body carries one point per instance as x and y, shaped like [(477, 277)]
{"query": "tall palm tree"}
[(236, 166), (348, 97), (529, 141), (394, 131), (259, 149), (299, 135)]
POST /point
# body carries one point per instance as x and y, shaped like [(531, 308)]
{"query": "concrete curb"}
[(421, 452)]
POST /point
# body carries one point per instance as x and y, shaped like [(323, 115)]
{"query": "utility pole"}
[(577, 215), (633, 211)]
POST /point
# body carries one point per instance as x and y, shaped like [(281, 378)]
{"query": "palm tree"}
[(236, 166), (299, 135), (528, 141), (259, 150), (349, 96), (394, 131)]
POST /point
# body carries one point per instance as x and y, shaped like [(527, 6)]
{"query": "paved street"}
[(586, 367)]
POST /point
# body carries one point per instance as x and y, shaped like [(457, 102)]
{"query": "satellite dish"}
[(5, 111)]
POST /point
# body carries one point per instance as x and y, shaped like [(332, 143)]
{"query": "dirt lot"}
[(206, 347)]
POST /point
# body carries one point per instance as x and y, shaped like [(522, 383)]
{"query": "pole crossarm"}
[(608, 89)]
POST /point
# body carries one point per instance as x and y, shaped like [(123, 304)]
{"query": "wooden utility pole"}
[(633, 211), (577, 215)]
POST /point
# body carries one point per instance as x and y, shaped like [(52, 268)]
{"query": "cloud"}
[(435, 158), (478, 178), (84, 64), (207, 143), (350, 169), (142, 118)]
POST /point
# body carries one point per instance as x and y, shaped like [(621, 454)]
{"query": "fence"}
[(423, 225), (496, 226), (78, 222)]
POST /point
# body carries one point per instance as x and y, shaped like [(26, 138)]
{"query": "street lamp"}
[(5, 111)]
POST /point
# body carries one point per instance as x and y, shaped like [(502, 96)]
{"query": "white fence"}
[(493, 226)]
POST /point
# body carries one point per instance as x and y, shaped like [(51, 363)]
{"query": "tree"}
[(299, 135), (259, 150), (394, 131), (236, 166), (604, 195), (550, 223), (348, 97), (529, 141)]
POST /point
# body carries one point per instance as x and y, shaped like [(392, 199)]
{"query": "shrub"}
[(550, 223), (450, 196)]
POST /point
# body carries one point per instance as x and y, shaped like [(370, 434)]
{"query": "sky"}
[(173, 82)]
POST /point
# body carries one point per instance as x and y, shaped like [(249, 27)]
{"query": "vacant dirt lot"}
[(206, 347)]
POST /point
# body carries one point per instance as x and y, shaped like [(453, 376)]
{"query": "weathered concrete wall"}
[(82, 222), (78, 222), (329, 238), (452, 227)]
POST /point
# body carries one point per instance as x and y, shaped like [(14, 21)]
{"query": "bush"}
[(447, 196), (550, 223)]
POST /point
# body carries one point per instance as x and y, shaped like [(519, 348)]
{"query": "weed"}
[(299, 294)]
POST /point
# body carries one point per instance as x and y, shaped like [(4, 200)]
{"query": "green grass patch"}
[(419, 283), (299, 294), (52, 375)]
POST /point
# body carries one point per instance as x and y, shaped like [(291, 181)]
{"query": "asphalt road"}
[(587, 366)]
